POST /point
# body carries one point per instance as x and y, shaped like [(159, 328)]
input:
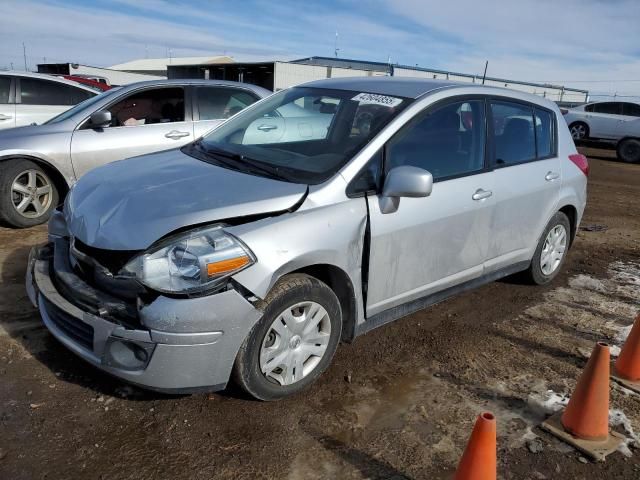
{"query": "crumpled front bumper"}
[(181, 346)]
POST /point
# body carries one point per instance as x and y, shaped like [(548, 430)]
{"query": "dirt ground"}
[(397, 403)]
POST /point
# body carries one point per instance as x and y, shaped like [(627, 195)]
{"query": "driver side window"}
[(160, 105), (447, 141)]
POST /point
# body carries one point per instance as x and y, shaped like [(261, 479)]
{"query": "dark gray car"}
[(39, 163)]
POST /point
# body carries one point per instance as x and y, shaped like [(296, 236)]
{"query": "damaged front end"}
[(161, 342)]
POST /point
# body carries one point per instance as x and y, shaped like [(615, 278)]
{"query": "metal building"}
[(277, 75)]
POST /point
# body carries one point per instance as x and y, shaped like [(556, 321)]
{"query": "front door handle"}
[(481, 194), (267, 128), (175, 134), (5, 117), (551, 176)]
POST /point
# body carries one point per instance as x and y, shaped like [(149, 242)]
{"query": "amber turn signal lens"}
[(225, 266)]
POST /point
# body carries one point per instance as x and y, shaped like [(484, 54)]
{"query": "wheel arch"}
[(338, 280), (572, 214), (58, 179)]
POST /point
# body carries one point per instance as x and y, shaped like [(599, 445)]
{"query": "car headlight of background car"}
[(191, 262)]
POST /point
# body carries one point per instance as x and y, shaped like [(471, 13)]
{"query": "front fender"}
[(332, 235)]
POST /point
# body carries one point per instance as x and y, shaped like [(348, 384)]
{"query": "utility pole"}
[(336, 49), (484, 75), (24, 54)]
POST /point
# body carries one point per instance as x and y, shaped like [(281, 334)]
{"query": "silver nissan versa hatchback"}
[(311, 217)]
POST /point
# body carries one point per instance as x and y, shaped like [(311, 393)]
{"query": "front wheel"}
[(293, 342), (551, 251), (628, 150), (27, 194), (579, 130)]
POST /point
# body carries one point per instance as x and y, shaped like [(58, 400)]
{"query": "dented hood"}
[(128, 205)]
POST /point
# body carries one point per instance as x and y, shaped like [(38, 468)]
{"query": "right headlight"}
[(191, 262)]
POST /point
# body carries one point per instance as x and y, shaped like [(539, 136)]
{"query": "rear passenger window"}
[(448, 141), (613, 108), (222, 102), (513, 133), (5, 85), (34, 91), (544, 133)]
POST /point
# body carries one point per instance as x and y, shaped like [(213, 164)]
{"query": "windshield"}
[(302, 134), (80, 106)]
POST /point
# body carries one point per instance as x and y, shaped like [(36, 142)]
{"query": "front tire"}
[(551, 251), (27, 193), (293, 342), (628, 150), (579, 130)]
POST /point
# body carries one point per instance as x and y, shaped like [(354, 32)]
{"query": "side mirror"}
[(406, 181), (100, 119)]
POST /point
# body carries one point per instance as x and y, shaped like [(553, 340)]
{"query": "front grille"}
[(112, 260), (75, 329)]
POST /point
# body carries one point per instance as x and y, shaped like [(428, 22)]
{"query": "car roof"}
[(396, 86), (263, 92), (50, 78), (410, 87)]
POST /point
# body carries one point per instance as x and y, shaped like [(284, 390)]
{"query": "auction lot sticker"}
[(375, 99)]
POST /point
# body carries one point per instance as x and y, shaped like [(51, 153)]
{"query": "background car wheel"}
[(629, 150), (551, 251), (293, 342), (27, 194), (579, 130)]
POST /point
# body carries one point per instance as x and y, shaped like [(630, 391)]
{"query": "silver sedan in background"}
[(39, 163)]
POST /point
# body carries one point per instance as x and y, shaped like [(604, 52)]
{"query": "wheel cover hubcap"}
[(578, 131), (31, 193), (295, 343), (553, 250)]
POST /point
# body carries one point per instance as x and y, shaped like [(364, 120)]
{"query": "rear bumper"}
[(183, 345)]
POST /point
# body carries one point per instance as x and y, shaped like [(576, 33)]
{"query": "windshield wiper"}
[(243, 162)]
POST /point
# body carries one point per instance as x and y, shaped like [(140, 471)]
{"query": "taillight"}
[(564, 111), (581, 162)]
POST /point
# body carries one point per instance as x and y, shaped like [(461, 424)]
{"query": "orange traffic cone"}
[(479, 459), (627, 367), (584, 424)]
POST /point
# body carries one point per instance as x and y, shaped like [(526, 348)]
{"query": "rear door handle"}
[(551, 176), (175, 134), (5, 117), (481, 194), (267, 128)]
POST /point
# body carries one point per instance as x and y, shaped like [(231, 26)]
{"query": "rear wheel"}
[(27, 193), (579, 130), (551, 251), (628, 150), (293, 342)]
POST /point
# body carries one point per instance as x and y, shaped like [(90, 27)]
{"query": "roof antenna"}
[(484, 75)]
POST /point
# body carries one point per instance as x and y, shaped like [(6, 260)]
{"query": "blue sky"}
[(592, 44)]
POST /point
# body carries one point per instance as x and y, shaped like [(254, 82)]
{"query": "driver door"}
[(145, 121), (435, 242)]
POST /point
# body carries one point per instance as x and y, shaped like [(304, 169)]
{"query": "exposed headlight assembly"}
[(191, 262)]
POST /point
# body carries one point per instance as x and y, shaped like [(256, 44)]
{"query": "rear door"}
[(604, 118), (213, 105), (7, 102), (38, 99), (527, 178), (434, 242), (629, 125), (145, 121)]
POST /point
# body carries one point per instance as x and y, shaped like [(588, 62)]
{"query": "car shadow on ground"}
[(23, 324)]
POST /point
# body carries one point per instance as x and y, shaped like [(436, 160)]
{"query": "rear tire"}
[(551, 251), (27, 194), (628, 150), (293, 342), (579, 130)]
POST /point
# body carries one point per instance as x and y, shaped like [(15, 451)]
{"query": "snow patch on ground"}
[(590, 283), (618, 418)]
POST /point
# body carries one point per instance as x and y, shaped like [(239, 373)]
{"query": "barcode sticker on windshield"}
[(375, 99)]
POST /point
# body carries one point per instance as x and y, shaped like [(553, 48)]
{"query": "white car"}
[(27, 98), (610, 121)]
